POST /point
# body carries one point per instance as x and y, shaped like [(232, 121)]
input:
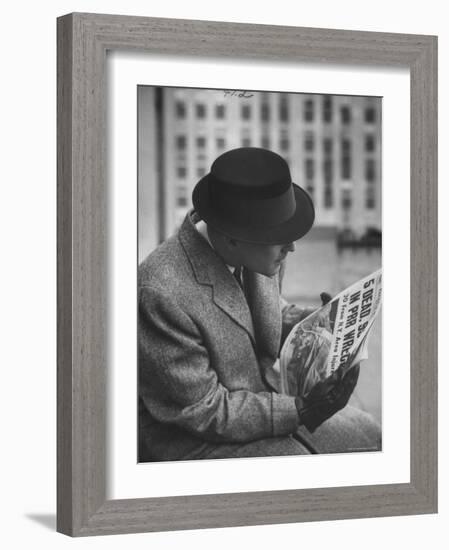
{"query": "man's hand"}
[(327, 397), (292, 314)]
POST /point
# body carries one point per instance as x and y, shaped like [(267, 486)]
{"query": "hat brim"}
[(291, 230)]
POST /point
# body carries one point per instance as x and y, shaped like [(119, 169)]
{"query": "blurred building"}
[(332, 144)]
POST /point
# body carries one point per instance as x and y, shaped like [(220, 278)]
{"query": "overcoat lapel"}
[(263, 297), (209, 269)]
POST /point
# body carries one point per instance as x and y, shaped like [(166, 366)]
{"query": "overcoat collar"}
[(261, 322), (209, 269)]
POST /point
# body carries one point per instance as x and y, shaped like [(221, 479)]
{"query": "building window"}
[(201, 142), (370, 115), (370, 199), (309, 110), (327, 171), (328, 177), (327, 146), (265, 111), (200, 110), (370, 170), (310, 169), (181, 142), (309, 142), (181, 196), (283, 108), (346, 159), (328, 197), (370, 143), (328, 174), (246, 142), (180, 109), (346, 168), (221, 143), (327, 109), (346, 115), (220, 111), (284, 144), (200, 171), (265, 142), (246, 112), (284, 141), (181, 172), (346, 199)]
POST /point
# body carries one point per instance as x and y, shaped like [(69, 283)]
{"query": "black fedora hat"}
[(249, 196)]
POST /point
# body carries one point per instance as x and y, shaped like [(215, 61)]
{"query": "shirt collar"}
[(201, 227)]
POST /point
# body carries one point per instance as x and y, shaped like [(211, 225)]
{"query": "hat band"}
[(246, 191), (250, 211)]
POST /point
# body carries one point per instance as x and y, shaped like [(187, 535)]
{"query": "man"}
[(210, 325)]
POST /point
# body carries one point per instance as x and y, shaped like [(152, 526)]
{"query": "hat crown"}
[(249, 195), (253, 168)]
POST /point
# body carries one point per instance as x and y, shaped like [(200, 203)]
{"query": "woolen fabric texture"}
[(205, 359), (207, 386)]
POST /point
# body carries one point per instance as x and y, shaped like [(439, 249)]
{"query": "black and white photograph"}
[(259, 277), (221, 257)]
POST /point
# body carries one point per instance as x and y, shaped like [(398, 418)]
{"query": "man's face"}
[(263, 258)]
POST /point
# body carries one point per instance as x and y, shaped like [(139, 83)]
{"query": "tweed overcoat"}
[(206, 352)]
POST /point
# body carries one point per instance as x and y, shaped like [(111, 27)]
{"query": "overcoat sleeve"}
[(179, 386)]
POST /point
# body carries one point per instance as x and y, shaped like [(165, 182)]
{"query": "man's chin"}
[(274, 271)]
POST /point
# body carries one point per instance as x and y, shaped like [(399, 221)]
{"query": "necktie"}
[(240, 278)]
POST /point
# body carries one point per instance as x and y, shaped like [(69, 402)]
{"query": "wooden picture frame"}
[(83, 40)]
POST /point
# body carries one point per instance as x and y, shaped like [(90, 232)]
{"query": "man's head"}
[(261, 258), (249, 196)]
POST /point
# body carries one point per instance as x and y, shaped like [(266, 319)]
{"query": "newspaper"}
[(333, 336)]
